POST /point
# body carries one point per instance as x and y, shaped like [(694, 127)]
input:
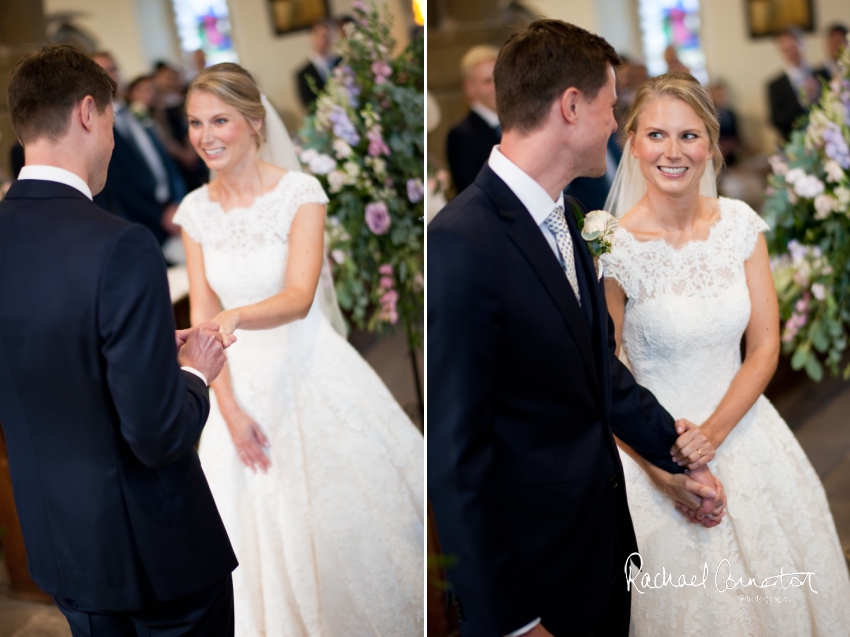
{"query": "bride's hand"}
[(692, 448), (687, 492), (227, 321), (249, 441)]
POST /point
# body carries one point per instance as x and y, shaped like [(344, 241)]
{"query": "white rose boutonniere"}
[(597, 228)]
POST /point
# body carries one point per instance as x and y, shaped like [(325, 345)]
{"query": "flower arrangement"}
[(808, 211), (365, 144)]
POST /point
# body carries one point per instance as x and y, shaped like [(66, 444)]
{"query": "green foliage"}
[(808, 211), (366, 144)]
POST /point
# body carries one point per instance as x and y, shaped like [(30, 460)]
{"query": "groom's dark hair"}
[(537, 65), (47, 83)]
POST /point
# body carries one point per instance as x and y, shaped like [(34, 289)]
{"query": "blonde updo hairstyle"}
[(236, 87), (685, 87)]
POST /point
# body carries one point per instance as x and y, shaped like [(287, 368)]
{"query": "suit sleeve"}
[(161, 409), (305, 92), (636, 416), (463, 335)]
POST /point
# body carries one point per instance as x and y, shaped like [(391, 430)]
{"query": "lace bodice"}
[(687, 309), (245, 249)]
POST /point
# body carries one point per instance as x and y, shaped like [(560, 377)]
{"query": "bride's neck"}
[(245, 179), (674, 213)]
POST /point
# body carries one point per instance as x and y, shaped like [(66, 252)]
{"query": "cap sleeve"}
[(752, 225), (187, 216), (308, 190), (616, 265)]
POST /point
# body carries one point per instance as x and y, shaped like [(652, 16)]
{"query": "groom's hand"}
[(692, 448), (203, 351), (711, 509)]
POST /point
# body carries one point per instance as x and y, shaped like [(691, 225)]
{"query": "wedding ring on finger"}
[(699, 451)]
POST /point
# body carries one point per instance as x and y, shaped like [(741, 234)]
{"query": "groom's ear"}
[(569, 104)]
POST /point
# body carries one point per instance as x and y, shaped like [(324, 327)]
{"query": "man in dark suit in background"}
[(524, 387), (592, 191), (144, 184), (836, 40), (320, 64), (792, 93), (119, 522), (469, 143)]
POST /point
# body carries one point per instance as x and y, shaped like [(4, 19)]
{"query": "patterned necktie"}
[(557, 223)]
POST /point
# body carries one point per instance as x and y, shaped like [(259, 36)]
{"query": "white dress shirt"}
[(62, 176), (531, 194), (130, 128), (322, 64), (59, 175)]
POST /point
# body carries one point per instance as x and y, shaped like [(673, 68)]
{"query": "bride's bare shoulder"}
[(639, 222)]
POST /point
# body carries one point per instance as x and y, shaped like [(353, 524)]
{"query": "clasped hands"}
[(202, 348), (698, 494)]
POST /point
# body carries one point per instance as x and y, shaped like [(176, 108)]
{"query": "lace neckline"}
[(257, 199), (721, 217)]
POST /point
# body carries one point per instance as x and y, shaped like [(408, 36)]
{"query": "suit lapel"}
[(527, 236)]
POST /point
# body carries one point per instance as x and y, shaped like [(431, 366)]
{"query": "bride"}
[(687, 277), (316, 470)]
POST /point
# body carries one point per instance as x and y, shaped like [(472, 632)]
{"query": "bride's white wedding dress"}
[(687, 310), (330, 540)]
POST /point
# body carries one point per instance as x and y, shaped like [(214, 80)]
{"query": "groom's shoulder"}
[(473, 210)]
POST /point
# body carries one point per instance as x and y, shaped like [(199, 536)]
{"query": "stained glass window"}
[(677, 23), (205, 25)]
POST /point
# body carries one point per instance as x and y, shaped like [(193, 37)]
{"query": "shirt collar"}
[(59, 175), (531, 194), (488, 115)]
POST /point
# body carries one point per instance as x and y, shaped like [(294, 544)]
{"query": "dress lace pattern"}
[(330, 540), (686, 312)]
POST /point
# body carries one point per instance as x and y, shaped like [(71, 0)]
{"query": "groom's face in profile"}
[(598, 125)]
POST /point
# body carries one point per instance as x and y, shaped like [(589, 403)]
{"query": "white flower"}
[(779, 167), (341, 148), (808, 186), (834, 171), (308, 155), (352, 169), (321, 164), (338, 256), (792, 197), (794, 174), (597, 224), (337, 179), (818, 291), (842, 194), (824, 205)]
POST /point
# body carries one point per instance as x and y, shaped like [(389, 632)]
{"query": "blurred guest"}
[(592, 191), (730, 141), (320, 64), (143, 184), (16, 159), (630, 75), (791, 93), (469, 143), (199, 63), (140, 97), (671, 57), (836, 39)]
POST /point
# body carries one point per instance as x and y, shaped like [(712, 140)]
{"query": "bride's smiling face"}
[(218, 132), (672, 145)]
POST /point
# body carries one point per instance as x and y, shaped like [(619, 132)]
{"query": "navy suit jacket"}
[(468, 147), (785, 107), (99, 419), (130, 190), (524, 391)]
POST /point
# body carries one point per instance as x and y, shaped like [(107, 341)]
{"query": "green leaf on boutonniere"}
[(579, 217)]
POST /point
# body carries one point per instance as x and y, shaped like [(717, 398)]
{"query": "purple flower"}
[(415, 190), (343, 128), (378, 217), (377, 147), (358, 5), (836, 147), (386, 282), (345, 75), (382, 71), (388, 306), (386, 269)]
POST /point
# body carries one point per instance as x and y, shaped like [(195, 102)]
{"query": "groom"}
[(119, 522), (524, 389)]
